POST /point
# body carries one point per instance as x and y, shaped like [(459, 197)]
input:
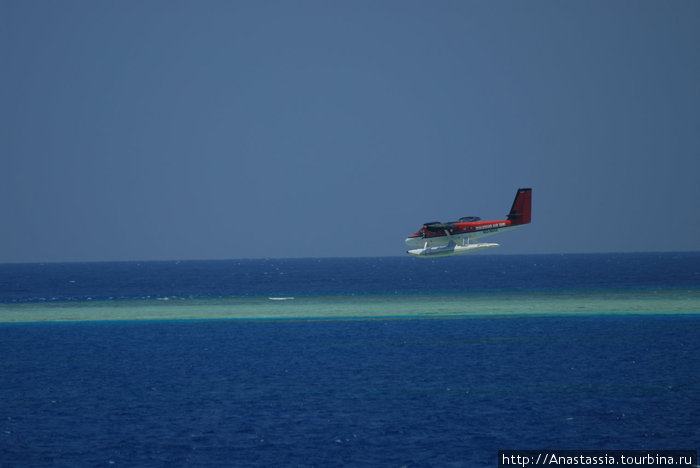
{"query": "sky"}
[(166, 130)]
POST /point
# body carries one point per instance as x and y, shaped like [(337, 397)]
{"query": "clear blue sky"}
[(232, 129)]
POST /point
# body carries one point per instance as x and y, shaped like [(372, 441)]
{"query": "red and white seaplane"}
[(438, 239)]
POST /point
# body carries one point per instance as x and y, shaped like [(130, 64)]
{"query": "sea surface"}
[(392, 361)]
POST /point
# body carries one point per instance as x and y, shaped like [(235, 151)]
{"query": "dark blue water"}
[(329, 393), (348, 276), (418, 392)]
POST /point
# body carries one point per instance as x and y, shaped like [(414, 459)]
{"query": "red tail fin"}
[(520, 212)]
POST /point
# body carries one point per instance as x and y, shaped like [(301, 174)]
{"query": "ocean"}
[(390, 361)]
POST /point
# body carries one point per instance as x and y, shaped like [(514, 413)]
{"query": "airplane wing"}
[(436, 226)]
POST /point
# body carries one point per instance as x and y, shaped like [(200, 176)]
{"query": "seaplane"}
[(436, 239)]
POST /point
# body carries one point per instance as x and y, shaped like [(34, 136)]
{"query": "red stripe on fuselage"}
[(463, 228)]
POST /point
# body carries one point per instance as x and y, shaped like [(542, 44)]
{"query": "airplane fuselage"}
[(460, 233), (438, 239)]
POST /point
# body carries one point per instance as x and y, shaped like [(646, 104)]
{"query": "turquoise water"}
[(337, 307), (353, 288)]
